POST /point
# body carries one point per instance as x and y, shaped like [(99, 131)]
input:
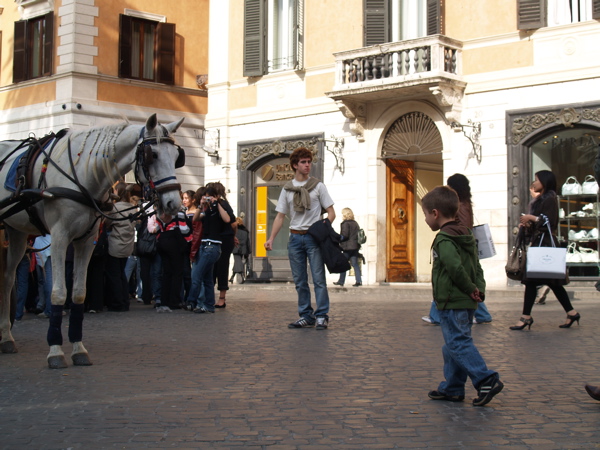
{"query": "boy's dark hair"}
[(442, 198), (199, 194), (298, 154)]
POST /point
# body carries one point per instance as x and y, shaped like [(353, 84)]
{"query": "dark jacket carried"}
[(329, 242)]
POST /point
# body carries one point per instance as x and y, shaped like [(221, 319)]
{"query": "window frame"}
[(163, 66), (533, 14), (24, 48)]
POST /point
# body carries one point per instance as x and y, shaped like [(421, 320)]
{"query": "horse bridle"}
[(144, 158)]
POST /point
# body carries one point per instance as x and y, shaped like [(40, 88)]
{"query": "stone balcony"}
[(426, 68)]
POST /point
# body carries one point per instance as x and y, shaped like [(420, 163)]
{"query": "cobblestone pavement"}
[(241, 378)]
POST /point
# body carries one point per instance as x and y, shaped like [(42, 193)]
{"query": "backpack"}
[(362, 237)]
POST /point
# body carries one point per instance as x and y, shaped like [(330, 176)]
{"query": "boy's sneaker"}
[(202, 310), (426, 319), (488, 389), (437, 395), (301, 323), (322, 323)]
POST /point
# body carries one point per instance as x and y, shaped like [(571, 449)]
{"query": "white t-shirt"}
[(319, 197)]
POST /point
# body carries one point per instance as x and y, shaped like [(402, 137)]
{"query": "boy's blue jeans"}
[(302, 247), (461, 357), (481, 314)]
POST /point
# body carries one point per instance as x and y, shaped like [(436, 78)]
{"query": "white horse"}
[(67, 185)]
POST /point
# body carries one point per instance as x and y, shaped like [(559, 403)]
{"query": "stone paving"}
[(241, 378)]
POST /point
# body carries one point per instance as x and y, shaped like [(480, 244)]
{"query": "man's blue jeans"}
[(303, 248), (461, 357), (481, 314), (202, 276)]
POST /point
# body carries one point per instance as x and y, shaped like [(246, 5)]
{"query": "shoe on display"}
[(571, 235), (582, 234), (592, 234)]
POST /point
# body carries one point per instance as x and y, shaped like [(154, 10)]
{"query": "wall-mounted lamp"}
[(215, 141), (473, 136), (335, 146)]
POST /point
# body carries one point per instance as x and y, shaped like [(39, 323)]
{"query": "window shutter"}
[(299, 35), (165, 61), (435, 17), (596, 9), (254, 38), (531, 14), (125, 30), (376, 22), (48, 44), (20, 52)]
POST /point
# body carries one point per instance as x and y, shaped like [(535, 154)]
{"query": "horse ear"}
[(172, 127), (151, 123)]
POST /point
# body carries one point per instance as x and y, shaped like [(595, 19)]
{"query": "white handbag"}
[(588, 255), (571, 187), (547, 262), (589, 185), (573, 255)]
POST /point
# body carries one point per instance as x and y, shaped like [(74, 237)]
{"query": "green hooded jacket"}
[(456, 270)]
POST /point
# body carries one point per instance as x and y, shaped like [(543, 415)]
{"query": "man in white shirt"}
[(302, 199)]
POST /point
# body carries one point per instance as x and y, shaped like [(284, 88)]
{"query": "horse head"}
[(157, 157)]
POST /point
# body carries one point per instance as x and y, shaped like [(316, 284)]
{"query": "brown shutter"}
[(125, 30), (596, 9), (48, 56), (20, 52), (376, 22), (165, 65), (531, 14), (299, 35), (435, 17), (255, 52)]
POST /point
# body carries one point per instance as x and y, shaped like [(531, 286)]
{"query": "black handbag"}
[(517, 259), (146, 242)]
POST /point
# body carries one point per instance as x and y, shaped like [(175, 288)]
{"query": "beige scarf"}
[(301, 193)]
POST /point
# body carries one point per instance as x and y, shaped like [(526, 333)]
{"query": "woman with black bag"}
[(543, 210)]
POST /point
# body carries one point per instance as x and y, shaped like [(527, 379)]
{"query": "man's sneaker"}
[(202, 310), (166, 309), (426, 319), (301, 323), (437, 395), (488, 389), (322, 323)]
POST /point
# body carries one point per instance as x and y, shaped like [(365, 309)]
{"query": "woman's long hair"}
[(460, 184), (548, 180)]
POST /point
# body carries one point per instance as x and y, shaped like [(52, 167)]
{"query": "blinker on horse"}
[(62, 191)]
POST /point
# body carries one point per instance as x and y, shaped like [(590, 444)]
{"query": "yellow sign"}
[(261, 221)]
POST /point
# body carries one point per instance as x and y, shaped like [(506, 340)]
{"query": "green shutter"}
[(596, 9), (20, 52), (299, 35), (48, 44), (531, 14), (434, 17), (376, 22), (254, 38), (165, 53), (125, 27)]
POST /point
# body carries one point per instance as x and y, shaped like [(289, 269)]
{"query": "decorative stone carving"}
[(278, 148), (449, 98), (522, 126), (356, 112)]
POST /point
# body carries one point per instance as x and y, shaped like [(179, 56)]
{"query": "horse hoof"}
[(57, 362), (8, 347), (81, 359)]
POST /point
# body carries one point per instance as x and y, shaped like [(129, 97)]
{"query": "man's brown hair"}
[(298, 154), (442, 198)]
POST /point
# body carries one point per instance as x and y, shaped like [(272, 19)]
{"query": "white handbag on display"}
[(588, 255), (573, 255), (589, 185), (571, 187)]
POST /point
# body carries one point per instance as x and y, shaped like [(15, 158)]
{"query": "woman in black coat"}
[(543, 210), (349, 229)]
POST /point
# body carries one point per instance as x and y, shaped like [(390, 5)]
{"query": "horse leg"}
[(83, 253), (56, 357), (9, 258)]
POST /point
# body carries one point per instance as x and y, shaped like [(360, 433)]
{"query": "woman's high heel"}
[(526, 323), (571, 319)]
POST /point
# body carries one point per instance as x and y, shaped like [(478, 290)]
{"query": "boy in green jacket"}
[(458, 286)]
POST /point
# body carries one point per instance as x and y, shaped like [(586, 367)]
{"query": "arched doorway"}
[(412, 148)]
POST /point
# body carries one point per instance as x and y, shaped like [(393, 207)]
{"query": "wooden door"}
[(400, 221)]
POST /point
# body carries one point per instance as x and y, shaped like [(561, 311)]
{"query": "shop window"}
[(146, 50), (532, 14), (273, 36), (399, 20), (33, 48)]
